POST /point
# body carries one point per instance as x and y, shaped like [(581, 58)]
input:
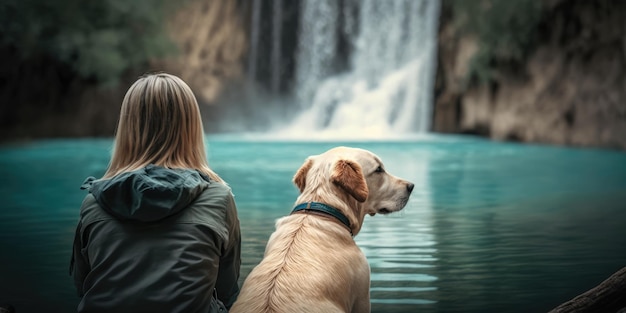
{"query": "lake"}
[(490, 226)]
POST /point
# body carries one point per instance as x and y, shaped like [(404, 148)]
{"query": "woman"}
[(159, 231)]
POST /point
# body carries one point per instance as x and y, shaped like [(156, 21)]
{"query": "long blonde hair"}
[(159, 124)]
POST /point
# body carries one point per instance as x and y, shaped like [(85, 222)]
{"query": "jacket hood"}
[(148, 194)]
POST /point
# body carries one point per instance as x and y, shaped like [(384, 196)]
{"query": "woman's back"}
[(156, 240)]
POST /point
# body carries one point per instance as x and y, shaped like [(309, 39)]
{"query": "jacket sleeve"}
[(79, 267), (230, 262)]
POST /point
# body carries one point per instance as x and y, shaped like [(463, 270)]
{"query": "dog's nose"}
[(409, 187)]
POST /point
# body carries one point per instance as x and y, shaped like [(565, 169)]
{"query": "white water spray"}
[(386, 90)]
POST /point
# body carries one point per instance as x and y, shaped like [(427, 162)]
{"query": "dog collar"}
[(322, 208)]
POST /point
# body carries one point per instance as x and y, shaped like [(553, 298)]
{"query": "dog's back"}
[(311, 262), (310, 265)]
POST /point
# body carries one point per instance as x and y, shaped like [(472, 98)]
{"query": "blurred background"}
[(549, 71)]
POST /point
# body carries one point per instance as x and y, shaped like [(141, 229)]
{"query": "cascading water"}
[(365, 68)]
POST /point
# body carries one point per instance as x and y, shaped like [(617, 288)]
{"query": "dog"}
[(311, 262)]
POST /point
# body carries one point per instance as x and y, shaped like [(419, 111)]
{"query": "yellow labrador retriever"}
[(311, 262)]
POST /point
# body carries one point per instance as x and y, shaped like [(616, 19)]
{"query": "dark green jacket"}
[(156, 240)]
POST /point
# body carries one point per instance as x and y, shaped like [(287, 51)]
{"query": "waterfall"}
[(365, 68), (276, 32), (254, 39)]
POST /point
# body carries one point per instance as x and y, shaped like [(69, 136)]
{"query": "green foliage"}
[(99, 39), (505, 30)]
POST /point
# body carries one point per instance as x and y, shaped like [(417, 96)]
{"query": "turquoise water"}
[(490, 227)]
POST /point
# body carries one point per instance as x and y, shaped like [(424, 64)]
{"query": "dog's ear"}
[(300, 177), (349, 176)]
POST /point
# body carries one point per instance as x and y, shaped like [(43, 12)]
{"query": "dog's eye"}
[(379, 169)]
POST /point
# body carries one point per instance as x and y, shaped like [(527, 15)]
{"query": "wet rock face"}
[(571, 90), (212, 45)]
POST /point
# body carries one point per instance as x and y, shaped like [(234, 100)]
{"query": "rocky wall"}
[(570, 91)]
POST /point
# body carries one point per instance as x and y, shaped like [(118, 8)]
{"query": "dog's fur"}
[(311, 262)]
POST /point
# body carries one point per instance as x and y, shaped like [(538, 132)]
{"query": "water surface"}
[(490, 227)]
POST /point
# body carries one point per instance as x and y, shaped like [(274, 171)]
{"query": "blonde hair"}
[(159, 124)]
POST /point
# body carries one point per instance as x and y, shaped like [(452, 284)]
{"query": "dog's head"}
[(354, 177)]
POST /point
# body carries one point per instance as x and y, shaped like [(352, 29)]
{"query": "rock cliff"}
[(571, 89), (212, 44)]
